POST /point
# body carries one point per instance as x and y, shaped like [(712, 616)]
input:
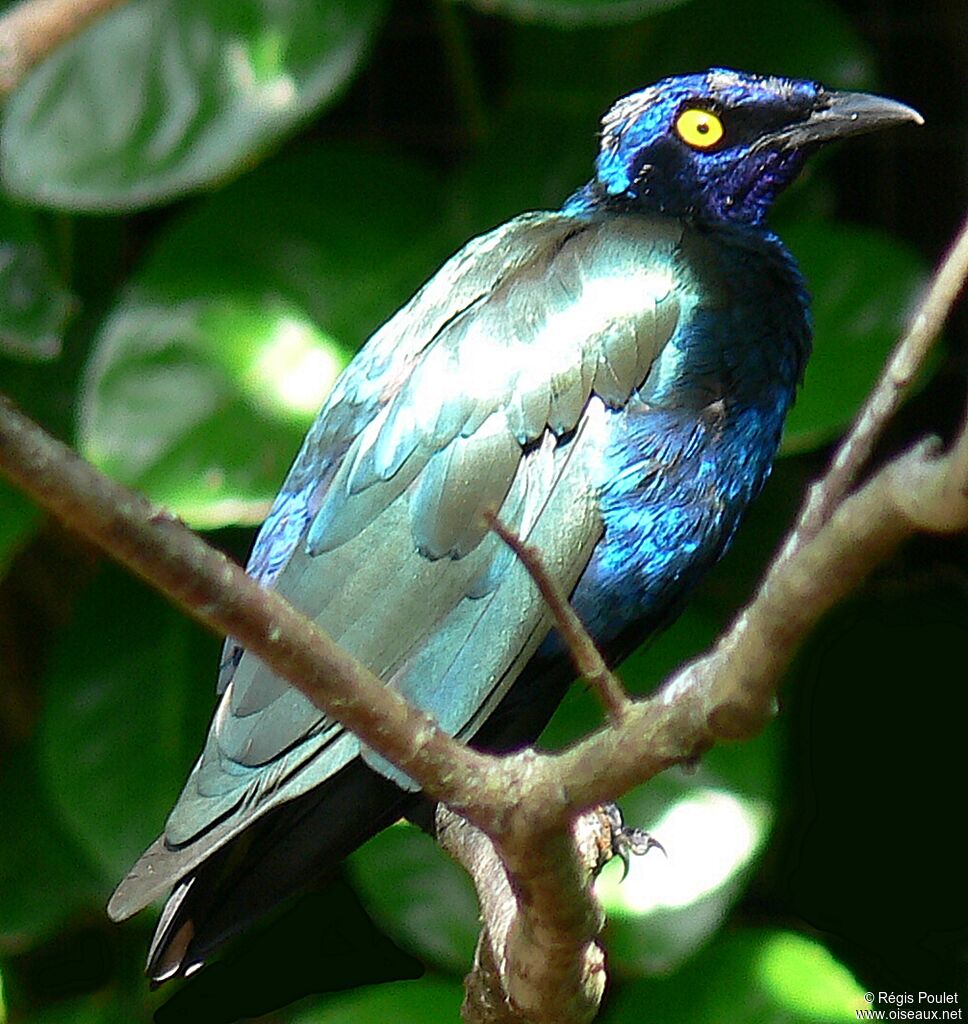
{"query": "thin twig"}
[(894, 383), (584, 652), (34, 28)]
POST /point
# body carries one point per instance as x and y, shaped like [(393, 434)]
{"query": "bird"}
[(610, 380)]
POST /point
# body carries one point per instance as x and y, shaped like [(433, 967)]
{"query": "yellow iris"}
[(699, 128)]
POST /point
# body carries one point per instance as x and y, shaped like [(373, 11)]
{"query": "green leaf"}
[(579, 76), (402, 1002), (748, 977), (517, 170), (713, 823), (44, 876), (163, 97), (573, 13), (419, 896), (46, 392), (127, 698), (804, 977), (205, 377), (202, 405), (34, 306), (863, 284), (18, 520)]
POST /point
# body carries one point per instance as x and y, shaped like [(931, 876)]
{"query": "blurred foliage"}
[(206, 88), (206, 209), (227, 337), (17, 520), (125, 684), (764, 975), (34, 306)]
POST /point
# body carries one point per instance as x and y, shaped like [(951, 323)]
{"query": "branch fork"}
[(538, 961)]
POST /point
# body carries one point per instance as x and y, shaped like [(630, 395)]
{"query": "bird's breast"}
[(696, 443)]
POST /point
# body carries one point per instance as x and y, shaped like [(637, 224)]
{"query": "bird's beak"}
[(841, 114)]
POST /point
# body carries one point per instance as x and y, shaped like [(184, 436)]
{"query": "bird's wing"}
[(500, 406), (373, 379)]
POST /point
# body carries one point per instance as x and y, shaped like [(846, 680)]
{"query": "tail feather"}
[(170, 942), (293, 846)]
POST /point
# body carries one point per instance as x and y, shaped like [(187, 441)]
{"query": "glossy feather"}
[(611, 381)]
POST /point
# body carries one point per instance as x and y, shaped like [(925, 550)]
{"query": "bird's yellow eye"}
[(699, 128)]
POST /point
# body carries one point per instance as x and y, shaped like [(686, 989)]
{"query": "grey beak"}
[(841, 114)]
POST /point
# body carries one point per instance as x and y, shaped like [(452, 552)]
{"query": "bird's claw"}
[(628, 842)]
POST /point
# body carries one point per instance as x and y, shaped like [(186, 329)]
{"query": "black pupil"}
[(703, 127)]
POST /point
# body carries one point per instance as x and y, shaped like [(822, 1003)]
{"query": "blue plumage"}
[(612, 380), (641, 158), (688, 455)]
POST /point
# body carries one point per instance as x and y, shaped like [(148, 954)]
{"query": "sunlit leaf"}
[(713, 823), (402, 1002), (34, 305), (862, 285), (747, 977), (127, 696), (804, 977), (165, 96), (202, 405), (207, 374)]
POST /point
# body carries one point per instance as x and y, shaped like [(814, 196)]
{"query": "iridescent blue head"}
[(721, 145)]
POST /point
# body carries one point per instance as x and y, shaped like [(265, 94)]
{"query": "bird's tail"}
[(287, 850)]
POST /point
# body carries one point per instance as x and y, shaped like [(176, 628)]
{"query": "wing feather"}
[(487, 392)]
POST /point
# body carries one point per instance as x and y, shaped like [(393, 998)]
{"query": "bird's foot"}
[(628, 842)]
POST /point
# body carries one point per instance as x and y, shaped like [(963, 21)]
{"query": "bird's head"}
[(720, 146)]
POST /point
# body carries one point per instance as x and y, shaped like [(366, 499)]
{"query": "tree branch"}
[(894, 383), (34, 28), (495, 995), (217, 593), (526, 802)]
